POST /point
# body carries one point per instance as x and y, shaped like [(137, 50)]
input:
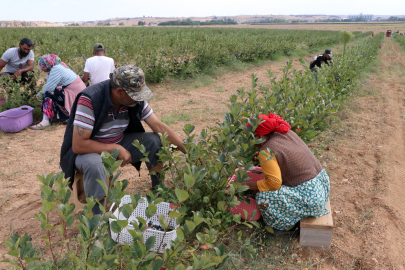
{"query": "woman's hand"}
[(252, 185), (255, 157)]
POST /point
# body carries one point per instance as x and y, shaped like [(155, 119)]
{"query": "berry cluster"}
[(155, 227), (158, 227)]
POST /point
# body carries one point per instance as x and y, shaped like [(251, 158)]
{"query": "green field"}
[(169, 51)]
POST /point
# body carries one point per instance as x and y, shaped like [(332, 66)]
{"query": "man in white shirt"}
[(99, 66), (18, 62)]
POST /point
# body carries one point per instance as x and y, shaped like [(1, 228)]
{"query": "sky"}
[(90, 10)]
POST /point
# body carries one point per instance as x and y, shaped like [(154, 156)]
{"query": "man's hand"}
[(17, 74), (125, 156), (159, 127)]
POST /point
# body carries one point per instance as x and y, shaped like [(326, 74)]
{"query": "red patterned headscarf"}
[(272, 122)]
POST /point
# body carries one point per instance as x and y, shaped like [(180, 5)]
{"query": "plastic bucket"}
[(16, 119)]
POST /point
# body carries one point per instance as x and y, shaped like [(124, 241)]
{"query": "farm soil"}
[(365, 162)]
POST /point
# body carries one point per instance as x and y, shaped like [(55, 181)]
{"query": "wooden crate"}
[(317, 232), (78, 196)]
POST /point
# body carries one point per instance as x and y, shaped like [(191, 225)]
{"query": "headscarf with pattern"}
[(48, 61), (272, 122)]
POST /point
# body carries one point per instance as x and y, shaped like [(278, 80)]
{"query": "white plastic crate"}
[(162, 208)]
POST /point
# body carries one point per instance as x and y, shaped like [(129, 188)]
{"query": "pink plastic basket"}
[(17, 119), (244, 206)]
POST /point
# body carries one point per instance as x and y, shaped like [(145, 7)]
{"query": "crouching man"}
[(107, 116)]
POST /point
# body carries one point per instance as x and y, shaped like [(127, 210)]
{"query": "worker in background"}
[(98, 67), (18, 62), (320, 59)]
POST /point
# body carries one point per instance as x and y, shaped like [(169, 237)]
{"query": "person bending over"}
[(320, 59), (61, 88), (295, 185), (107, 116)]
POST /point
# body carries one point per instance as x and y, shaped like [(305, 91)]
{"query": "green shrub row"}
[(169, 51), (400, 40)]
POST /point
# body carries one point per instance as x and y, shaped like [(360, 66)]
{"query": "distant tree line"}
[(103, 24), (271, 20), (191, 22), (395, 18)]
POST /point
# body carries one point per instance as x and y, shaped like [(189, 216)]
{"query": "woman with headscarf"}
[(295, 185), (61, 88)]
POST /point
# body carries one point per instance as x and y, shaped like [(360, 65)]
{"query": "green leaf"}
[(127, 210), (291, 105), (221, 158), (115, 227), (150, 242), (115, 166), (181, 194), (158, 200), (188, 128), (190, 225), (115, 153), (48, 206), (70, 221), (107, 258), (47, 190), (13, 252), (141, 220), (95, 254), (180, 234), (198, 221), (222, 205), (180, 267), (122, 223), (242, 189), (15, 263), (157, 264), (163, 221), (189, 180), (152, 209), (139, 248), (231, 190), (175, 214), (103, 185)]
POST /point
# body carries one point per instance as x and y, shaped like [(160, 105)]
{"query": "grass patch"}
[(174, 118)]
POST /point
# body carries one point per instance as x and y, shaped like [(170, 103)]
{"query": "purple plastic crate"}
[(17, 119), (1, 98)]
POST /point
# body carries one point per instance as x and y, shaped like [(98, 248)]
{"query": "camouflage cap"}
[(132, 80)]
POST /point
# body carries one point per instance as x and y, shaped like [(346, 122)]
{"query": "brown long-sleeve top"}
[(296, 162)]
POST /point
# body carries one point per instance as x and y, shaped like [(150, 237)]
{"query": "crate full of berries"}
[(163, 238)]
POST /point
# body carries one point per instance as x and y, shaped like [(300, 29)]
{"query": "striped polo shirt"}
[(113, 127)]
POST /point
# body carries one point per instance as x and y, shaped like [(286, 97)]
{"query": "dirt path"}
[(366, 165)]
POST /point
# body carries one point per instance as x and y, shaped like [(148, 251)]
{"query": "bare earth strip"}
[(366, 165)]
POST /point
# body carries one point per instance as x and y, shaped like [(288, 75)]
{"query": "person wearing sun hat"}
[(295, 185), (318, 60), (107, 116)]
